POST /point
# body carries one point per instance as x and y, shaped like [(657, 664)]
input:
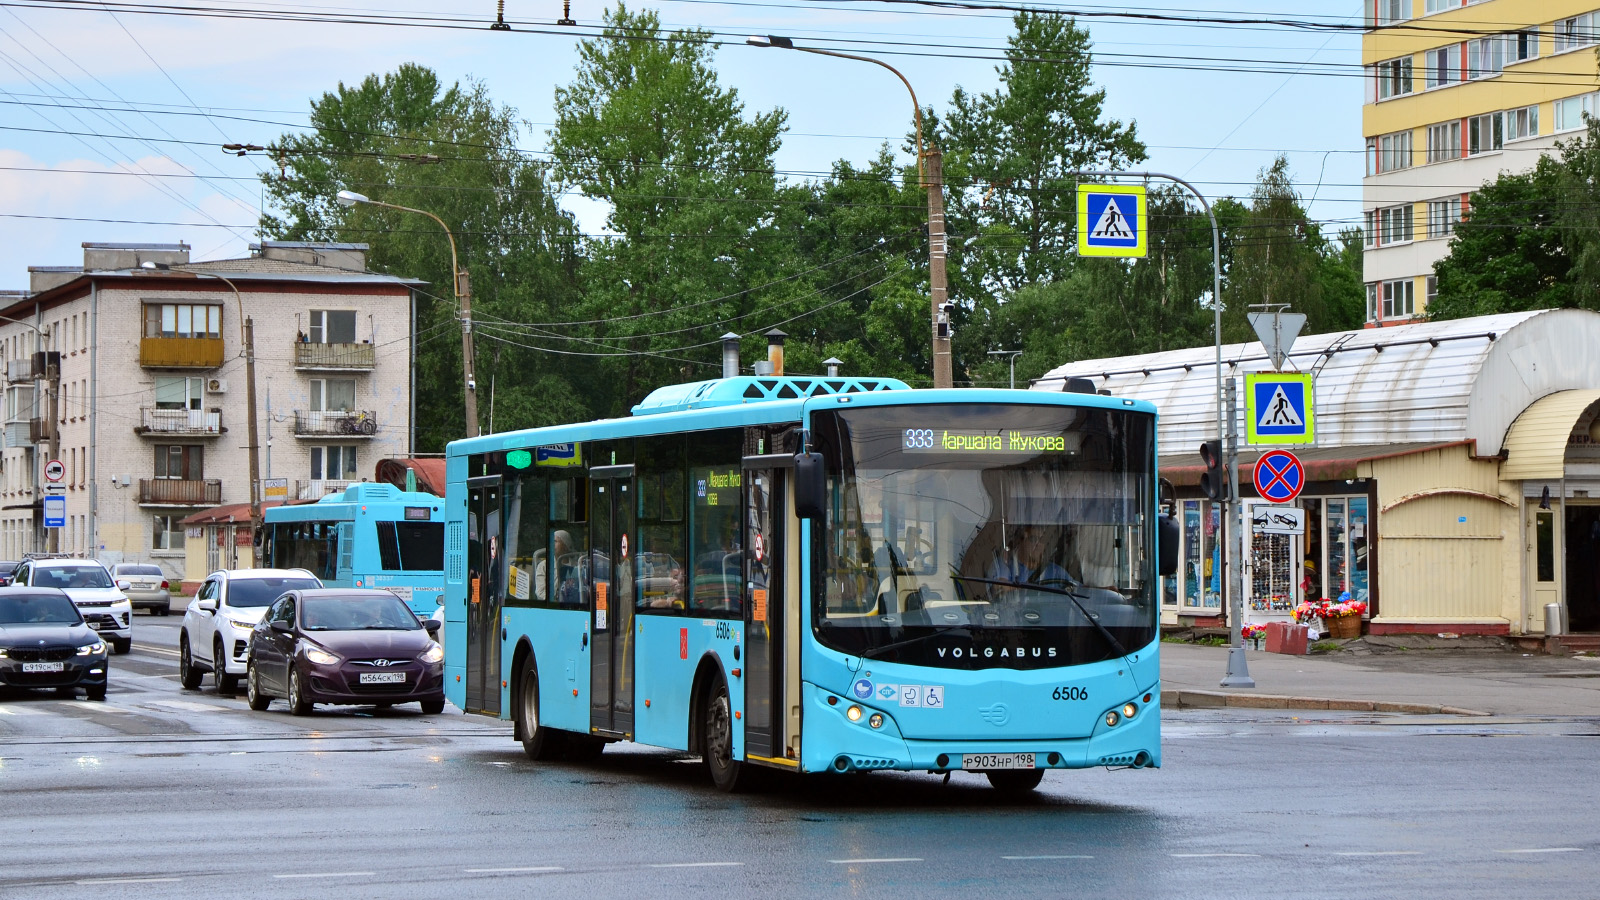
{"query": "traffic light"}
[(1214, 480)]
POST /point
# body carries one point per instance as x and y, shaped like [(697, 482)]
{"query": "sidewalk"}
[(1496, 682)]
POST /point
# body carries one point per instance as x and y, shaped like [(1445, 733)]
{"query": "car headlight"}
[(433, 654), (244, 626), (3, 653), (320, 657), (92, 649)]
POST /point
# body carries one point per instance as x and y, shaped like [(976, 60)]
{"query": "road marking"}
[(1047, 857), (325, 875), (1545, 850), (1211, 855), (887, 859), (693, 865), (184, 705), (125, 880), (1380, 853), (509, 869)]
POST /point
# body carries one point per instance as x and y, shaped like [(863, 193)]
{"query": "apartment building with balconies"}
[(1459, 92), (150, 400)]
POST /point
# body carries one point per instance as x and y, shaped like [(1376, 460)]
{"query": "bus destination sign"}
[(944, 440)]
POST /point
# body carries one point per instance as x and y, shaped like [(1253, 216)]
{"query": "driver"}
[(1028, 559)]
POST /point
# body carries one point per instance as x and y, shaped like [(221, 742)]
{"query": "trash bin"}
[(1552, 619)]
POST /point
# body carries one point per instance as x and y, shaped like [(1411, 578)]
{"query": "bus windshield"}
[(987, 535)]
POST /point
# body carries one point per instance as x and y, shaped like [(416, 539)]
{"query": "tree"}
[(1508, 253), (518, 246)]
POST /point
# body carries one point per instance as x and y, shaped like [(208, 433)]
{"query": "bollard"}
[(1552, 619)]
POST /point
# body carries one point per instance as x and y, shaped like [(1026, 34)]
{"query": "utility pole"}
[(938, 290), (1238, 673), (464, 298), (255, 446), (52, 394)]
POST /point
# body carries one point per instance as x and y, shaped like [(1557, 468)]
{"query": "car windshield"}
[(262, 590), (138, 570), (38, 609), (378, 611), (972, 535), (71, 577)]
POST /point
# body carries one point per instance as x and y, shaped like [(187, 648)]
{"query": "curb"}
[(1220, 699)]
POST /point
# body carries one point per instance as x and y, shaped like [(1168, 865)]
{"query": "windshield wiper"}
[(1074, 596), (873, 652)]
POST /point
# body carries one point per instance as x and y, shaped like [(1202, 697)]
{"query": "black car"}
[(8, 571), (45, 643), (351, 647)]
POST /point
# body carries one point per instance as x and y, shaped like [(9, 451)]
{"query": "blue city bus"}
[(370, 536), (817, 575)]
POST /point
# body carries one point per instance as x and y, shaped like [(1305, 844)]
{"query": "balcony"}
[(180, 353), (344, 423), (338, 357), (180, 422), (317, 488), (180, 492), (19, 434)]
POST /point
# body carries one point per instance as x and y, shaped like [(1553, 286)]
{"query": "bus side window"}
[(716, 494), (662, 575), (569, 540), (388, 547)]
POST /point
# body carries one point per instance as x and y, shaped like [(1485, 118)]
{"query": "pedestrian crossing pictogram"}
[(1113, 223), (1279, 409), (1279, 412), (1112, 220)]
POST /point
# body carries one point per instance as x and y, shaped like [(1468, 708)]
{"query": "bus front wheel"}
[(538, 741), (716, 739)]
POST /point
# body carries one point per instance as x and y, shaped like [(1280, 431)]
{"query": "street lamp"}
[(463, 292), (1013, 354), (930, 165)]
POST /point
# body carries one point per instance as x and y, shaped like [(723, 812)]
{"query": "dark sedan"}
[(45, 643), (351, 647)]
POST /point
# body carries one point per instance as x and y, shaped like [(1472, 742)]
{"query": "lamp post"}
[(463, 293), (1012, 354), (930, 166), (247, 335)]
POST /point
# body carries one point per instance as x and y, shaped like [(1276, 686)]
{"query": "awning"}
[(1322, 463), (430, 473), (1536, 444), (227, 514)]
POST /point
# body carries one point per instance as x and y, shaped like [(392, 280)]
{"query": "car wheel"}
[(716, 738), (123, 646), (1018, 781), (166, 610), (298, 704), (95, 692), (188, 675), (538, 741), (433, 707), (252, 689), (226, 684)]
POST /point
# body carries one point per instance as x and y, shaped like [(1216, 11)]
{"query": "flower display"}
[(1251, 630), (1305, 612)]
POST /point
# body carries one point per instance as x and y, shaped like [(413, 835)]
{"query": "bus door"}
[(764, 609), (612, 509), (485, 555)]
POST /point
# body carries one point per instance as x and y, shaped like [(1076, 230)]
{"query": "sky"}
[(112, 118)]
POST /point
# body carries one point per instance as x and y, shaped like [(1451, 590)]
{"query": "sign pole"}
[(1238, 674)]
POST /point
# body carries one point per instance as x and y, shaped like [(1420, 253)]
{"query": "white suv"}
[(215, 636), (86, 581)]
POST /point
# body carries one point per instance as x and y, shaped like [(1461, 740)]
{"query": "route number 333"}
[(1069, 693)]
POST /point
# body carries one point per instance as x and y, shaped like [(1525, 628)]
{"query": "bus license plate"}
[(987, 761), (383, 678), (44, 667)]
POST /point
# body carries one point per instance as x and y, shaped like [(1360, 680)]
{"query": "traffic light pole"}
[(1238, 674)]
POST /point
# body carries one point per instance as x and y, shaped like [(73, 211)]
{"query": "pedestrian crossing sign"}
[(1279, 409), (1112, 220)]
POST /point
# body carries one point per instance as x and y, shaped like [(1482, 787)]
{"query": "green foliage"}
[(1509, 252)]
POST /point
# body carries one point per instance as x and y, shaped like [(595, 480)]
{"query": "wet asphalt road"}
[(161, 793)]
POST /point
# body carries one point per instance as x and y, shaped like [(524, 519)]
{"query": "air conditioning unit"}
[(217, 385)]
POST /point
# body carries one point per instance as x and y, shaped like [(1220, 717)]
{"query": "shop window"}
[(1201, 573)]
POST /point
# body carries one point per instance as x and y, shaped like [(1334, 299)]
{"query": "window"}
[(19, 403), (411, 546), (329, 394), (1397, 298), (1444, 141), (663, 532), (1392, 224), (166, 533), (334, 463), (1443, 216), (1571, 110), (716, 487), (1444, 66), (1486, 56), (1389, 152), (568, 550), (182, 320), (1432, 288), (313, 546), (1392, 78), (1522, 123), (178, 392), (1575, 32), (1485, 133), (1522, 45), (333, 326), (1433, 6), (180, 461), (1391, 11)]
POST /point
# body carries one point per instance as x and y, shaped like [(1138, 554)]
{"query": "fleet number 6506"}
[(1069, 693)]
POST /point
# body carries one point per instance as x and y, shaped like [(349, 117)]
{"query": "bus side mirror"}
[(1167, 538), (809, 486)]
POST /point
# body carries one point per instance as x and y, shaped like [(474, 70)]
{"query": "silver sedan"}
[(145, 585)]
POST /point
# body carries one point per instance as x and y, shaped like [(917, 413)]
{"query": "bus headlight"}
[(853, 713), (1112, 719), (1129, 710), (876, 721)]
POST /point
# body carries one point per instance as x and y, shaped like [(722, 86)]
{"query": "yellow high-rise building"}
[(1459, 92)]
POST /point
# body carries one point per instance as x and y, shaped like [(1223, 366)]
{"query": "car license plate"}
[(987, 761), (383, 678), (44, 667)]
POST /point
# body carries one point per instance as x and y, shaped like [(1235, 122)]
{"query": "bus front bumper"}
[(834, 742)]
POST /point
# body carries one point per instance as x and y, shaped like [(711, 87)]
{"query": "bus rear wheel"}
[(538, 741), (716, 739), (1017, 781)]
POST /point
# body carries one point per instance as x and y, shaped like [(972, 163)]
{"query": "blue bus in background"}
[(370, 536), (817, 574)]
